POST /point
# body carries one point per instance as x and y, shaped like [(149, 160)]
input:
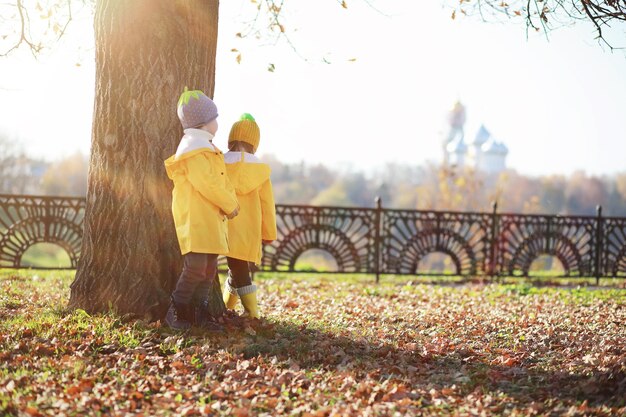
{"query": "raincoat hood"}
[(194, 141), (246, 172)]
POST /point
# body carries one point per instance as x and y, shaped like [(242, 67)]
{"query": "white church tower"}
[(475, 148), (483, 153), (493, 156), (453, 140)]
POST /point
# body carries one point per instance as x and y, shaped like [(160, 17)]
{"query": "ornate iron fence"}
[(370, 240), (347, 234), (28, 220), (409, 236)]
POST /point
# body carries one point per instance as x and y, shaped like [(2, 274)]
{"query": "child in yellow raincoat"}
[(256, 222), (202, 202)]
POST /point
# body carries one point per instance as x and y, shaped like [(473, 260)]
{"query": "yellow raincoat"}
[(257, 214), (201, 190)]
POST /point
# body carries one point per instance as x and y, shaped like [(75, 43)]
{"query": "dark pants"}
[(199, 269), (239, 273)]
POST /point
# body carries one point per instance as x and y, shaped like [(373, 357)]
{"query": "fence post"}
[(46, 219), (493, 237), (377, 241), (597, 263)]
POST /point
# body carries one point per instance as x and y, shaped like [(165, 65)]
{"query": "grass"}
[(46, 255), (337, 345)]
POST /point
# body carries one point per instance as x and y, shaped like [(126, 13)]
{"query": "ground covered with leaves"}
[(333, 346)]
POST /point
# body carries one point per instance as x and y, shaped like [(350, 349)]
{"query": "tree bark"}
[(147, 51)]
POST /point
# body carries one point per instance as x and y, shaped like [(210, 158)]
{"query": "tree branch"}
[(599, 12), (24, 36)]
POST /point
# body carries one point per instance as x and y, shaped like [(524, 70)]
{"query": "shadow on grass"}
[(467, 372)]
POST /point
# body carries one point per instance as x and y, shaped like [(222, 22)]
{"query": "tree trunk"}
[(147, 51)]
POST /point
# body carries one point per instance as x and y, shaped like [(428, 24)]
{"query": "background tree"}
[(584, 193), (67, 177)]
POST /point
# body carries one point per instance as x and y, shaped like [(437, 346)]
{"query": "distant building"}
[(482, 153)]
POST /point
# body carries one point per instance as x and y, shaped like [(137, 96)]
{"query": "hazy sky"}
[(558, 105)]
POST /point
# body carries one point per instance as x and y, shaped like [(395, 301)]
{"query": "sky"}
[(360, 87)]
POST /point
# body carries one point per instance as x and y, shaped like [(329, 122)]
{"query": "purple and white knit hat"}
[(195, 109)]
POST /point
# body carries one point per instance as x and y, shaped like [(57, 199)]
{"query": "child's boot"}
[(230, 294), (248, 300), (178, 316)]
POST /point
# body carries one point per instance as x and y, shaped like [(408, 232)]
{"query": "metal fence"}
[(371, 240)]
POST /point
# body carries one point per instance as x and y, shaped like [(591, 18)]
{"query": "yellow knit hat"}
[(245, 130)]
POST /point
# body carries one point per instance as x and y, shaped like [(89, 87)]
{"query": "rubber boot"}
[(230, 295), (248, 300), (178, 316)]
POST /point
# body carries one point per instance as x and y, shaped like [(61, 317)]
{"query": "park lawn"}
[(339, 345)]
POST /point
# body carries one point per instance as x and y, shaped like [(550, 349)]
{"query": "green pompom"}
[(247, 116), (187, 95)]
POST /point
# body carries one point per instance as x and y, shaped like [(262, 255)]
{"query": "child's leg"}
[(201, 292), (193, 276), (200, 297), (180, 314), (238, 276), (239, 281), (238, 273)]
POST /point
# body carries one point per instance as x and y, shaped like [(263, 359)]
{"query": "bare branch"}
[(22, 21), (22, 37), (548, 15), (67, 22)]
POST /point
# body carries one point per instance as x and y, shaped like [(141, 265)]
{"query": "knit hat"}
[(195, 109), (245, 130)]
